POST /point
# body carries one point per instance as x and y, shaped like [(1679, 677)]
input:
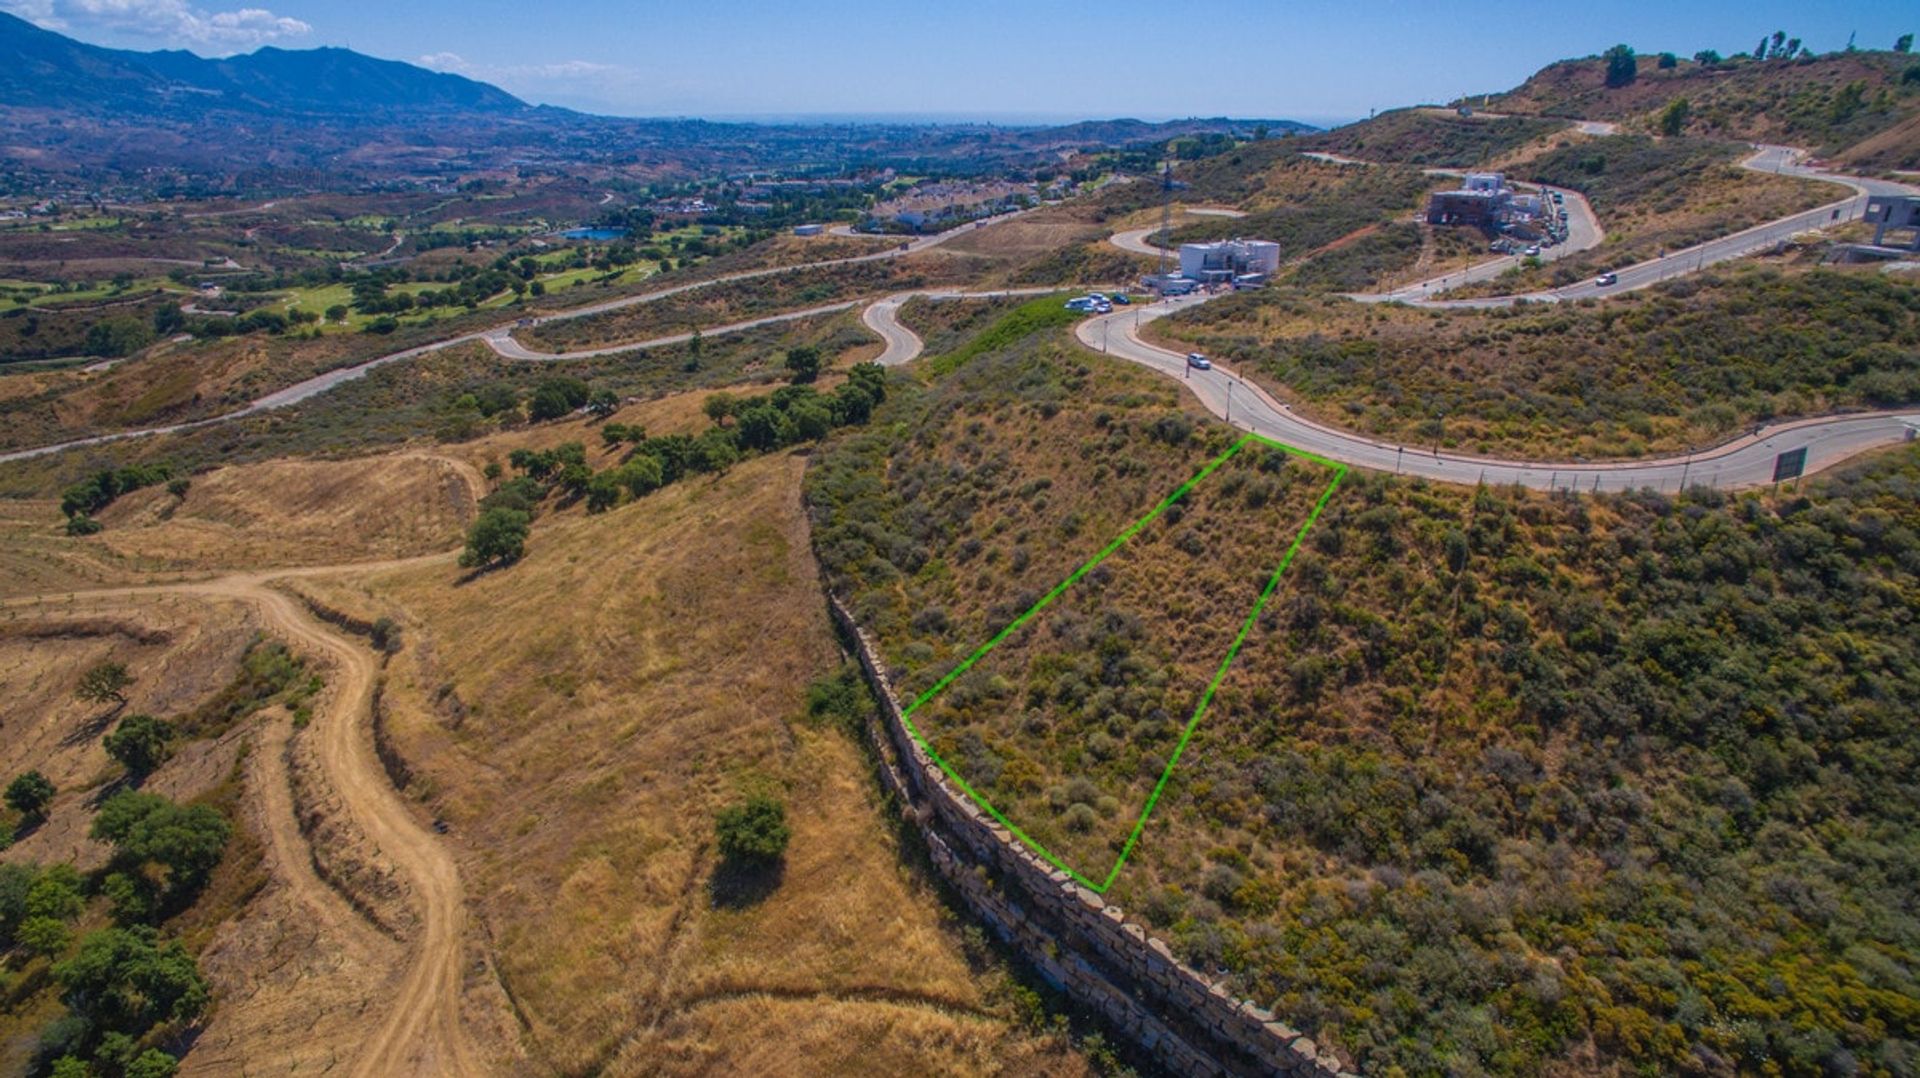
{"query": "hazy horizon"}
[(993, 62)]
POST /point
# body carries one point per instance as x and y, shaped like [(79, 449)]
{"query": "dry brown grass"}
[(179, 653), (297, 512), (579, 717)]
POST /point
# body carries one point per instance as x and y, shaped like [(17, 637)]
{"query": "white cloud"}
[(565, 69), (172, 22)]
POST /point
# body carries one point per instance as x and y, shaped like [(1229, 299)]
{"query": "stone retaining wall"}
[(1083, 946)]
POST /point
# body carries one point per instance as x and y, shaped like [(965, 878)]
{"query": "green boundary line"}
[(1206, 698)]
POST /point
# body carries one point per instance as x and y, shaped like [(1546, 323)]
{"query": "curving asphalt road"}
[(494, 337), (1745, 462), (1781, 160)]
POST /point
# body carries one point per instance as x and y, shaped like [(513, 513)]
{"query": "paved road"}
[(1781, 160), (1134, 240), (322, 383), (903, 345), (501, 339), (1583, 234), (1745, 462)]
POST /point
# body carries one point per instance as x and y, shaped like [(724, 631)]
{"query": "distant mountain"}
[(39, 68), (277, 120)]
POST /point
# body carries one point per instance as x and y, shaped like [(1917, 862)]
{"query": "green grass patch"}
[(1016, 325)]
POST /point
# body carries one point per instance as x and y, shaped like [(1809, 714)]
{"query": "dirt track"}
[(421, 1032)]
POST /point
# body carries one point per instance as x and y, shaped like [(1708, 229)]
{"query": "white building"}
[(1228, 259)]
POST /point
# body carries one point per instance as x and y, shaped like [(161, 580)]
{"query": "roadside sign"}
[(1790, 465)]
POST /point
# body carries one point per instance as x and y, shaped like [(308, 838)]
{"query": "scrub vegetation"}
[(1685, 364), (1501, 779)]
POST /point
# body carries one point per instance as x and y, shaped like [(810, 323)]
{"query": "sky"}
[(991, 60)]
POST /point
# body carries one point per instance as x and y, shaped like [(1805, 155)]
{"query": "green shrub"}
[(753, 832)]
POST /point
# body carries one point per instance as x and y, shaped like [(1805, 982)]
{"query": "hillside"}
[(581, 754), (45, 69), (1838, 104), (1490, 788), (1683, 365), (1432, 137)]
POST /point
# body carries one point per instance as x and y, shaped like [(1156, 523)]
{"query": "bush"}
[(139, 743), (754, 832)]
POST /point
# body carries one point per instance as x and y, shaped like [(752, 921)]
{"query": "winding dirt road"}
[(421, 1032)]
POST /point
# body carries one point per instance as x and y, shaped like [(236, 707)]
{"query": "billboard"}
[(1790, 465)]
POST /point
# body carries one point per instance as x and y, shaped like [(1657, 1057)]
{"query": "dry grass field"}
[(298, 513), (578, 718)]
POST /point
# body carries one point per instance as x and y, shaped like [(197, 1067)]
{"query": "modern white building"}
[(1229, 260)]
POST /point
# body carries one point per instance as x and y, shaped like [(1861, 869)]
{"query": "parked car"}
[(1122, 298), (1199, 362), (1534, 250), (1606, 279)]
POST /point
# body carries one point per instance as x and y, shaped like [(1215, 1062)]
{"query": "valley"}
[(492, 589)]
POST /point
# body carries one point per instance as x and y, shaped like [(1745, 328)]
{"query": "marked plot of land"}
[(1067, 723)]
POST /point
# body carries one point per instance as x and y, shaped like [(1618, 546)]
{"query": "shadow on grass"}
[(739, 884), (476, 572), (92, 728)]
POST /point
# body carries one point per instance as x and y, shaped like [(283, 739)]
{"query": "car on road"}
[(1199, 362), (1606, 279)]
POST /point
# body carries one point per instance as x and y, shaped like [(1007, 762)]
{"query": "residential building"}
[(1228, 260)]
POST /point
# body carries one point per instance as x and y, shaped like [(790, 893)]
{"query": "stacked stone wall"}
[(1083, 946)]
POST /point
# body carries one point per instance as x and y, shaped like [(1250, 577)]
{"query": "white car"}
[(1198, 362), (1606, 279)]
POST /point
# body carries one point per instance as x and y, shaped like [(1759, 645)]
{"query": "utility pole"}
[(1166, 214)]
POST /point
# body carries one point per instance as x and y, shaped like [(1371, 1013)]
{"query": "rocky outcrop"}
[(1088, 949)]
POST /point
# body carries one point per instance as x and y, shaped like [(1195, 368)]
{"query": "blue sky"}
[(988, 59)]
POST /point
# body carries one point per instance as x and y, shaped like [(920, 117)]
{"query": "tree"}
[(179, 487), (337, 313), (1779, 43), (500, 535), (809, 420), (557, 397), (1706, 57), (1622, 66), (163, 853), (1668, 61), (715, 451), (139, 743), (126, 980), (804, 362), (603, 492), (754, 832), (104, 683), (30, 794), (603, 403), (1673, 118), (718, 407), (641, 475), (1903, 43)]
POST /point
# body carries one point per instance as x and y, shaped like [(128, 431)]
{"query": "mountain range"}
[(43, 69), (279, 119)]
